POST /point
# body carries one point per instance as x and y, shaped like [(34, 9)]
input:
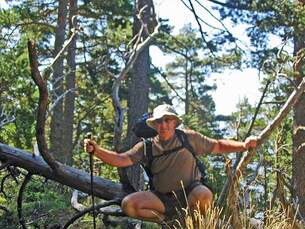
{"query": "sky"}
[(232, 86)]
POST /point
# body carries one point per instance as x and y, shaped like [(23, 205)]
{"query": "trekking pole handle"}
[(90, 136)]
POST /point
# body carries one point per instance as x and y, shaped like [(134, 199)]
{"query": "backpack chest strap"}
[(167, 152)]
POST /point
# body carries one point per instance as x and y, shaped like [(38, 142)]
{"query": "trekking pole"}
[(89, 136)]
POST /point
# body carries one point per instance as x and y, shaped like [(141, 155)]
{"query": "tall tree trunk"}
[(298, 158), (57, 81), (138, 91), (139, 83), (67, 146)]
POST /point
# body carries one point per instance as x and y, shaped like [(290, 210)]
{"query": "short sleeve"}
[(136, 152), (202, 145)]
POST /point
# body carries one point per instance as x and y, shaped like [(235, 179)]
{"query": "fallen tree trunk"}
[(72, 177)]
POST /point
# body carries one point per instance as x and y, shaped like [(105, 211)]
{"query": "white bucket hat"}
[(162, 111)]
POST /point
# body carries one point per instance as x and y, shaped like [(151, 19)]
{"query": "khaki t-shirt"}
[(172, 169)]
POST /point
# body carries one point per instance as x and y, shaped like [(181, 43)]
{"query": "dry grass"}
[(279, 220), (214, 219)]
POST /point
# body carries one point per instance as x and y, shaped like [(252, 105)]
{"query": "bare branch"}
[(140, 17), (6, 117), (199, 25), (119, 112), (299, 128), (180, 45), (75, 31), (209, 12), (4, 165), (199, 19), (42, 107), (301, 147), (74, 202), (287, 78), (231, 6), (58, 99), (88, 210), (166, 80), (137, 50), (13, 172), (4, 208), (191, 8), (232, 197), (226, 185), (291, 101), (57, 81), (257, 109), (19, 199), (2, 185)]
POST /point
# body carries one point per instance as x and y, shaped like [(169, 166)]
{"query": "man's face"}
[(165, 127)]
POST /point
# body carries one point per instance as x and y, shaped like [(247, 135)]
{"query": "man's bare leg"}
[(144, 205), (201, 196)]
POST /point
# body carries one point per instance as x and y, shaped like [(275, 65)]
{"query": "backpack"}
[(184, 144), (141, 129)]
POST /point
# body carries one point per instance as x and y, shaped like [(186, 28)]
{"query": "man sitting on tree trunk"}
[(174, 169)]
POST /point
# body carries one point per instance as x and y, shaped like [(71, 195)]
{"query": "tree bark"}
[(70, 176), (56, 131), (138, 89), (139, 84), (298, 137), (67, 137), (298, 157)]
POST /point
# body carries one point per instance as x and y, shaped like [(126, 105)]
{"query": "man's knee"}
[(201, 196), (143, 205), (206, 197), (128, 206)]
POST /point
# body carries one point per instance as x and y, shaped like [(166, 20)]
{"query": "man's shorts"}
[(176, 202)]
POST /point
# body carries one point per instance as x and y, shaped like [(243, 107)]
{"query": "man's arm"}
[(229, 146), (110, 157)]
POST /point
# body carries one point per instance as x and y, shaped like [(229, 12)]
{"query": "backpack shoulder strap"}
[(185, 142), (149, 158), (148, 151)]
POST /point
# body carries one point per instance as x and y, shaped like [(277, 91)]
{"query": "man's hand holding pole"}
[(89, 146)]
